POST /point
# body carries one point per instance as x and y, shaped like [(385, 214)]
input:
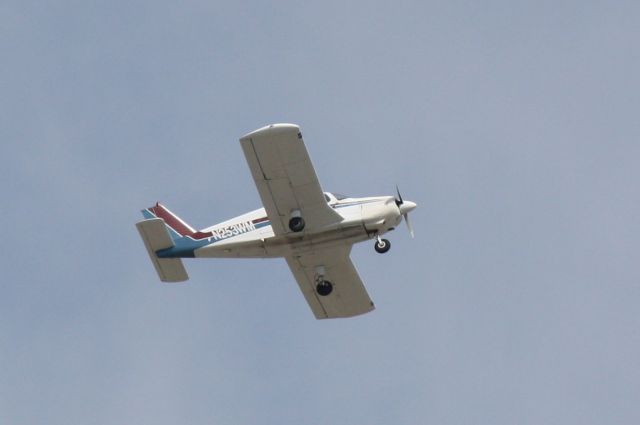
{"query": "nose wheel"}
[(382, 245)]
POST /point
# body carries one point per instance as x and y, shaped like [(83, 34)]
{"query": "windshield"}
[(339, 197)]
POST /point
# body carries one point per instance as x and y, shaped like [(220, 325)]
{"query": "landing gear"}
[(296, 224), (382, 245), (323, 287)]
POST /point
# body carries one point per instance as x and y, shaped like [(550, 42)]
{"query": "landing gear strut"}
[(382, 245)]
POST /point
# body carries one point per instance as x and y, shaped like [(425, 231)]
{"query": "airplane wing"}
[(285, 178), (349, 296)]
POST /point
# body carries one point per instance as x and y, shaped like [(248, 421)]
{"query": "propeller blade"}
[(406, 220), (399, 200)]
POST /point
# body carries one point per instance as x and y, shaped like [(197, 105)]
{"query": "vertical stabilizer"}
[(177, 227)]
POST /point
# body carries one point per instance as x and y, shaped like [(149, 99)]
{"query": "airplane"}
[(311, 229)]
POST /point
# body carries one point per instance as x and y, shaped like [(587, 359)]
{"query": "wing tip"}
[(345, 315), (271, 129)]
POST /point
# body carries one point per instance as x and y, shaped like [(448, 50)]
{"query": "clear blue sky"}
[(514, 125)]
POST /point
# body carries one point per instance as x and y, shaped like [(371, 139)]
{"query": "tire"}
[(324, 288), (296, 224), (382, 247)]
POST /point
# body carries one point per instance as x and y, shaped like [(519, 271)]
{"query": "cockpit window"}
[(330, 197)]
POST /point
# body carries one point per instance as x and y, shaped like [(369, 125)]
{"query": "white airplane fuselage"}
[(251, 236)]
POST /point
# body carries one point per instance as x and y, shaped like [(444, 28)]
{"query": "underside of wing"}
[(348, 296), (285, 178)]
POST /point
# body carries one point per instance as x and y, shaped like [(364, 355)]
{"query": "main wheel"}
[(382, 246), (324, 288), (296, 224)]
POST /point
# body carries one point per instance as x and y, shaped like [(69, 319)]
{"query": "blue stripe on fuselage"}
[(185, 246)]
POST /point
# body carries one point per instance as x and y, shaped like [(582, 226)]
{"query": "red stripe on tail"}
[(172, 220)]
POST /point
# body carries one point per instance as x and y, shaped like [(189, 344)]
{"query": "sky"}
[(512, 124)]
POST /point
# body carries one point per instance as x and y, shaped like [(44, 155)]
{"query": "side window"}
[(326, 197)]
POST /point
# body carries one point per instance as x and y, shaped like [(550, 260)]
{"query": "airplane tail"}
[(176, 227), (161, 231)]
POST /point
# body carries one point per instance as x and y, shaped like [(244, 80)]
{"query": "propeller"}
[(399, 200), (405, 208), (406, 220)]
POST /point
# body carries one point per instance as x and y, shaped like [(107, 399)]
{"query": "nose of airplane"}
[(407, 207)]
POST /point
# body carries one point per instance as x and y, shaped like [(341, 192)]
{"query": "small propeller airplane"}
[(313, 230)]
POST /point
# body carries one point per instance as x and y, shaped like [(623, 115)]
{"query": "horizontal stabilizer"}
[(156, 237)]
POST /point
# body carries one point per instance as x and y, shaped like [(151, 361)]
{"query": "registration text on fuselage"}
[(232, 230)]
